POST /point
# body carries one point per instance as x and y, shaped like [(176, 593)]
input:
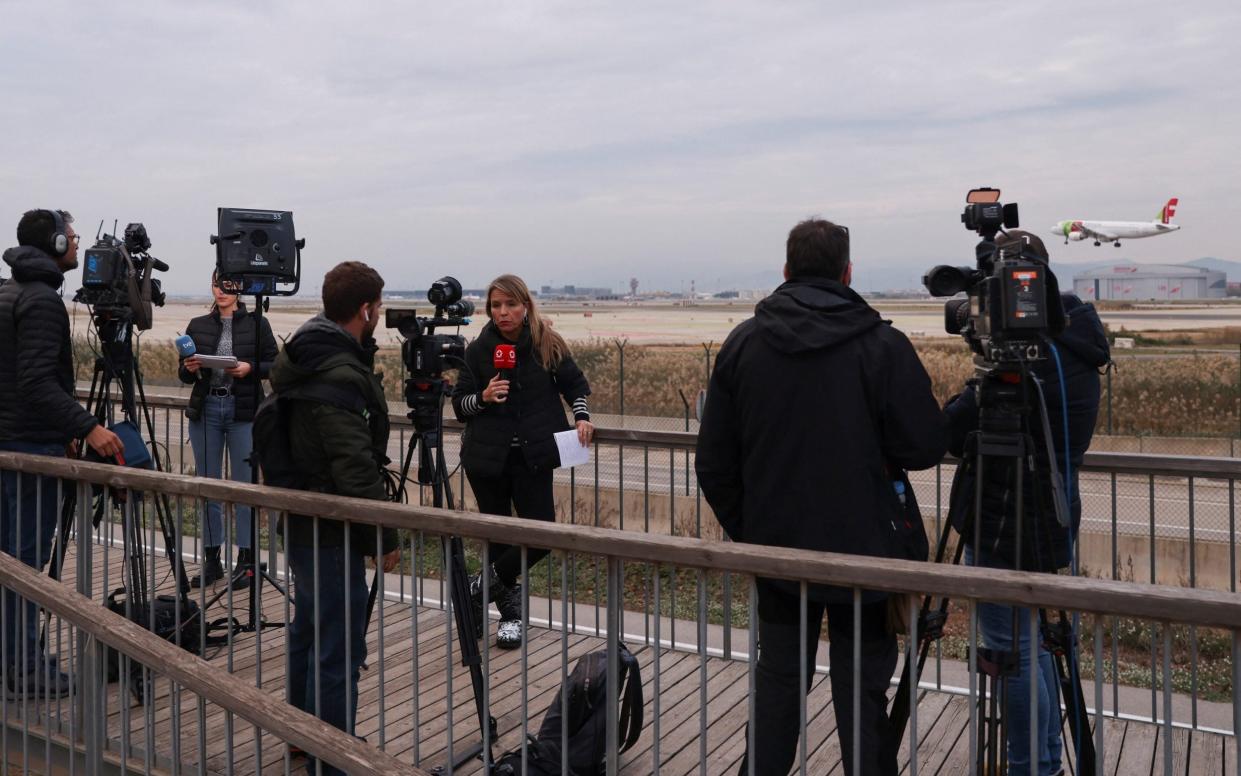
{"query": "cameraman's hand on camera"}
[(585, 432), (104, 442), (496, 391), (390, 560), (241, 370), (192, 365)]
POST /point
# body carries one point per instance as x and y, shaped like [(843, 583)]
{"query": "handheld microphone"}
[(504, 358), (185, 349)]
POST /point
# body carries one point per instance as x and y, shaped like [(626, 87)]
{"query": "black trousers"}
[(530, 493), (777, 700)]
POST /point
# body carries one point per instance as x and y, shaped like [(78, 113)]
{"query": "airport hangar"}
[(1132, 281)]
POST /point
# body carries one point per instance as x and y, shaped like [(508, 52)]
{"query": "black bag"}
[(188, 638), (909, 537), (585, 721), (270, 431)]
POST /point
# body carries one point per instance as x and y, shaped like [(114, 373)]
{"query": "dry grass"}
[(1196, 395)]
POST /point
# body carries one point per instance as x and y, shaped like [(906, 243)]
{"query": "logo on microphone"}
[(505, 357)]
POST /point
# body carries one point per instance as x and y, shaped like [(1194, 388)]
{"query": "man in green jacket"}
[(340, 446)]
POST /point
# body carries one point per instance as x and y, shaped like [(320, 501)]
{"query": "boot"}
[(495, 590), (211, 570), (509, 632), (243, 569)]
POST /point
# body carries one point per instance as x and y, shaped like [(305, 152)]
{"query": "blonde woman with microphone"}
[(511, 415)]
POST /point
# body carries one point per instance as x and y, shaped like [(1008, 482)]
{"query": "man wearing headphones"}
[(38, 415)]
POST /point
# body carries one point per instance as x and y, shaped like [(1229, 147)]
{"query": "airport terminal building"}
[(1140, 282)]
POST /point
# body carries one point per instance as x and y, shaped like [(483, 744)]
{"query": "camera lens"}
[(444, 291), (956, 315)]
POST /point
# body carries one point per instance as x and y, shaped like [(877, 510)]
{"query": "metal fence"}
[(682, 604)]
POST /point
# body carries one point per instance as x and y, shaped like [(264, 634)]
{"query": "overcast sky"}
[(586, 143)]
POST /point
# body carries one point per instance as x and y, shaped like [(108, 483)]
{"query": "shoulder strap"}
[(326, 393), (631, 700)]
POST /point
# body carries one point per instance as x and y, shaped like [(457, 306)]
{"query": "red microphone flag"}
[(505, 357)]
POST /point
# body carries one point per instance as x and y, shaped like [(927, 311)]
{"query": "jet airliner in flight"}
[(1115, 231)]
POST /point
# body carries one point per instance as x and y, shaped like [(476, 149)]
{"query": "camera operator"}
[(342, 450), (1080, 350), (221, 411), (813, 403), (38, 415), (508, 449)]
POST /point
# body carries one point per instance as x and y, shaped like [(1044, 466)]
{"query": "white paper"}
[(572, 452)]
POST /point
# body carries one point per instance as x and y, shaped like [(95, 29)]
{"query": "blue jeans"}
[(28, 522), (215, 430), (995, 621), (338, 680)]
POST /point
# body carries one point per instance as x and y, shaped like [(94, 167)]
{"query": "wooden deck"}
[(408, 714)]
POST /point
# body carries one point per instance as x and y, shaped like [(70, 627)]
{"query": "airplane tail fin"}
[(1168, 211)]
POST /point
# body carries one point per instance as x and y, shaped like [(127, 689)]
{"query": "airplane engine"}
[(1076, 236)]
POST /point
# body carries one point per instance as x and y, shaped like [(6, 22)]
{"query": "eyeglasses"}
[(228, 286), (77, 238)]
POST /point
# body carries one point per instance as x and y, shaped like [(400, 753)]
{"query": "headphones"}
[(60, 241)]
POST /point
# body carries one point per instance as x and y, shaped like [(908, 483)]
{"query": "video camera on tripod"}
[(1008, 465), (1007, 310), (116, 277), (427, 355)]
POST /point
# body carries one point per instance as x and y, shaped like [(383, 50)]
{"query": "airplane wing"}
[(1096, 230)]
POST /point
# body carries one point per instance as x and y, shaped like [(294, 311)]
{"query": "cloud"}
[(585, 142)]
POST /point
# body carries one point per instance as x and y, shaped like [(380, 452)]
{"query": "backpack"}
[(585, 720), (272, 449), (166, 618)]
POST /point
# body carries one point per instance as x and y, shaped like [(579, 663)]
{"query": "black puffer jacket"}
[(532, 414), (1083, 350), (36, 355), (205, 331), (811, 404)]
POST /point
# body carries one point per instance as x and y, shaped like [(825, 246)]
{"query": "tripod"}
[(257, 572), (117, 365), (1004, 439), (425, 396)]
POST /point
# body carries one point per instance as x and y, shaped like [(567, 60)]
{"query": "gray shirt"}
[(220, 378)]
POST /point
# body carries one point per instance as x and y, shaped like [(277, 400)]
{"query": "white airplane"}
[(1113, 231)]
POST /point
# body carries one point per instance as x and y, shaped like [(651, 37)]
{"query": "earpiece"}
[(366, 315)]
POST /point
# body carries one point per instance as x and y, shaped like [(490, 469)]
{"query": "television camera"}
[(1011, 299), (116, 277), (427, 354)]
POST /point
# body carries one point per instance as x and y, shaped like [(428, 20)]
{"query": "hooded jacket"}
[(812, 404), (342, 451), (37, 402), (532, 414), (205, 330), (1083, 350)]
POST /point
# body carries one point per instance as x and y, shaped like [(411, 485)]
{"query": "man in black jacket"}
[(338, 435), (814, 407), (38, 415), (1070, 384)]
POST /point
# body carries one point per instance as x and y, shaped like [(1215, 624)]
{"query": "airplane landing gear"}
[(1117, 243), (1097, 243)]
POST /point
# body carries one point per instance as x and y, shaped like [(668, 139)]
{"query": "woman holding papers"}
[(221, 411), (509, 395)]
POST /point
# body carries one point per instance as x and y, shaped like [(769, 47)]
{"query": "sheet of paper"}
[(572, 453)]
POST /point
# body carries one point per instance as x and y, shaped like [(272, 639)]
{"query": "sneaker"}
[(212, 570), (37, 685), (495, 591), (508, 635)]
